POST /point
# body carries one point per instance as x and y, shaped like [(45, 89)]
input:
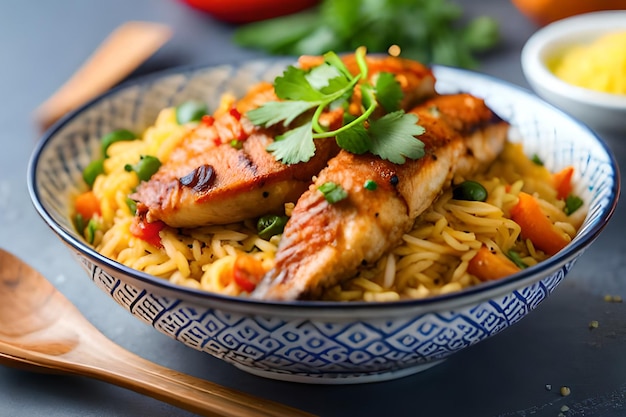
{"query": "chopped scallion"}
[(572, 203), (333, 192)]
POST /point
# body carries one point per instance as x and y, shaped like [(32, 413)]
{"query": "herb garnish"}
[(516, 259), (333, 192), (572, 203), (537, 160), (391, 137)]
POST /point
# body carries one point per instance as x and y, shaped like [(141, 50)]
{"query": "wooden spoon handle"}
[(102, 359), (123, 51), (185, 391)]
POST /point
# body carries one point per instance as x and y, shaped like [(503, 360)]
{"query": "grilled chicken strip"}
[(324, 243), (208, 181)]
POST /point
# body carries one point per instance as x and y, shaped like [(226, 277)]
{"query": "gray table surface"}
[(43, 42)]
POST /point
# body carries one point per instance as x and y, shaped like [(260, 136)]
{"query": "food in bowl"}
[(602, 111), (208, 200), (598, 65), (311, 341)]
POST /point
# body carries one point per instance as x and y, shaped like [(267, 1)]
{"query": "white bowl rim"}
[(532, 56), (329, 309)]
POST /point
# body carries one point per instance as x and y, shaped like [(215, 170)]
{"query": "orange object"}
[(247, 272), (536, 226), (543, 12), (563, 182), (87, 205), (488, 266)]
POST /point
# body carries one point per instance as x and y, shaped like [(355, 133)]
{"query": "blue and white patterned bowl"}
[(319, 342)]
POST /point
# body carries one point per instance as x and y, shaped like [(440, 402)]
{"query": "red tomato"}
[(247, 272), (148, 232), (245, 11)]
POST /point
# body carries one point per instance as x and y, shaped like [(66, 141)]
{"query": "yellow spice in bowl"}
[(599, 65)]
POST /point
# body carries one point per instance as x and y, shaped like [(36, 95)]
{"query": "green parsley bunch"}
[(429, 31)]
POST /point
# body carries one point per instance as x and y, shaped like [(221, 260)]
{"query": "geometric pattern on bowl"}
[(313, 351), (317, 342)]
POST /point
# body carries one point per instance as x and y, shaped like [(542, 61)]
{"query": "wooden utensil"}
[(121, 52), (41, 330)]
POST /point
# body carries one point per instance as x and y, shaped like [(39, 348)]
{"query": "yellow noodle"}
[(161, 269), (381, 296), (450, 287), (390, 271), (367, 285), (419, 292), (432, 258), (414, 257), (452, 242), (426, 245)]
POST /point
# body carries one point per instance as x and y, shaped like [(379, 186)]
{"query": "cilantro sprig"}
[(310, 92)]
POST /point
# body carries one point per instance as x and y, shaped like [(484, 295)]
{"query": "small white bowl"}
[(601, 111)]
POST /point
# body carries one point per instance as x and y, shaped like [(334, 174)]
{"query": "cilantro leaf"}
[(393, 137), (274, 112), (293, 85), (296, 145), (355, 140), (388, 91), (333, 59), (327, 79)]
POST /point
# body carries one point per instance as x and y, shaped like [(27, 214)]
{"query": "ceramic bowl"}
[(601, 111), (313, 341)]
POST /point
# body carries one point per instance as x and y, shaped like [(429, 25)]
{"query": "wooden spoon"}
[(121, 52), (40, 330)]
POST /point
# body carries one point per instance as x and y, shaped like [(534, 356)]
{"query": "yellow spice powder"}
[(599, 65)]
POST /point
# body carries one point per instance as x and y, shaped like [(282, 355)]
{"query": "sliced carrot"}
[(563, 182), (87, 205), (536, 226), (488, 266)]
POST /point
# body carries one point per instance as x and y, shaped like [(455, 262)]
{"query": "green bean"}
[(90, 230), (115, 136), (469, 191), (190, 111), (145, 168), (79, 223), (92, 170), (271, 225), (132, 205)]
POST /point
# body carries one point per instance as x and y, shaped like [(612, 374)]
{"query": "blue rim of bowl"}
[(456, 299)]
